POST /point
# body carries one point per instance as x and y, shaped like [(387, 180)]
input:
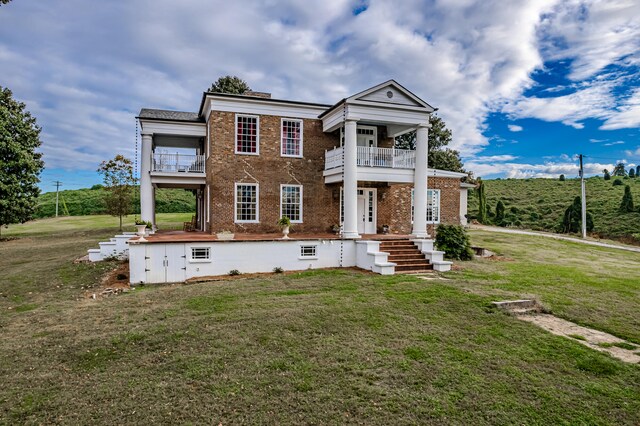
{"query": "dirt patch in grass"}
[(115, 281)]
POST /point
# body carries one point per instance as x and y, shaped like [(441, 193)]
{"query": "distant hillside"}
[(539, 204), (81, 202)]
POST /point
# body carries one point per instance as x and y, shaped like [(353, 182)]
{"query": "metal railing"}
[(178, 163), (374, 157)]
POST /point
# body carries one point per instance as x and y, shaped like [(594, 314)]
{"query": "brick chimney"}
[(263, 95)]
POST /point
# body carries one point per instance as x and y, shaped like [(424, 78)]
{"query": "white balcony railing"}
[(374, 157), (178, 163)]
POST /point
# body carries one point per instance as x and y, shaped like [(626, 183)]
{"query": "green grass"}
[(91, 201), (321, 347), (539, 204), (77, 224)]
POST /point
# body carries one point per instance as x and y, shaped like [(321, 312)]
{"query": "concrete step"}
[(402, 251), (411, 262), (393, 257), (411, 269)]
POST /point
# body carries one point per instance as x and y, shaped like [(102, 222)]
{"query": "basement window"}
[(200, 254), (308, 252)]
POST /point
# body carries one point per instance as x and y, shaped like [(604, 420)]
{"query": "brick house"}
[(252, 159)]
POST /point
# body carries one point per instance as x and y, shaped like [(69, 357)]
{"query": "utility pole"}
[(58, 185), (584, 200)]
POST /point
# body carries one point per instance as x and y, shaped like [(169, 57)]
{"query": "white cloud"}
[(525, 170), (633, 153), (86, 68), (514, 128), (613, 143)]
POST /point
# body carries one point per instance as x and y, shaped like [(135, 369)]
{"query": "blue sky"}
[(524, 85)]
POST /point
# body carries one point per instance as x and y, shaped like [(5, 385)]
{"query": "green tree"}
[(118, 181), (20, 164), (439, 156), (499, 212), (562, 178), (482, 202), (619, 170), (4, 2), (632, 173), (607, 176), (627, 200), (230, 84), (638, 170), (572, 219)]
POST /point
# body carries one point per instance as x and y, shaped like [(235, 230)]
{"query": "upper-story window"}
[(291, 138), (247, 134)]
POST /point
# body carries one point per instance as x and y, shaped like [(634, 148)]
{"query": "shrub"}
[(234, 272), (278, 270), (454, 241), (627, 200), (617, 182), (562, 178), (607, 176), (499, 212)]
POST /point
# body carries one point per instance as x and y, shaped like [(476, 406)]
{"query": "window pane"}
[(246, 203), (291, 137), (247, 134), (291, 202)]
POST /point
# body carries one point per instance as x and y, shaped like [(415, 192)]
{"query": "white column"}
[(146, 188), (350, 183), (420, 183)]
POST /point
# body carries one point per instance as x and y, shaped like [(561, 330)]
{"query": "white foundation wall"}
[(163, 262)]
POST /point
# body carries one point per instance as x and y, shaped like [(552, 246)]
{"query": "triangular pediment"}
[(390, 92)]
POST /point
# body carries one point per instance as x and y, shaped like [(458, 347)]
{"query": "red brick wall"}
[(394, 204), (321, 203), (269, 170)]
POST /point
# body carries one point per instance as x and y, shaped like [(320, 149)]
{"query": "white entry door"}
[(367, 210)]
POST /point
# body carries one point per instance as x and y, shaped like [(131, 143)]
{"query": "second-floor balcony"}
[(373, 157), (178, 163)]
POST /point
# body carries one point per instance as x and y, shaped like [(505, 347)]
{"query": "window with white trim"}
[(291, 202), (246, 202), (291, 138), (200, 254), (433, 206), (247, 134), (307, 252)]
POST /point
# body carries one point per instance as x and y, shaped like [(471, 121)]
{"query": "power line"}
[(58, 185), (584, 200)]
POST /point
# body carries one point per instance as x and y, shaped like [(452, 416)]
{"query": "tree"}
[(572, 219), (20, 164), (607, 176), (638, 170), (627, 200), (439, 156), (230, 84), (4, 2), (118, 181), (562, 178), (482, 202), (632, 173), (619, 170), (499, 212)]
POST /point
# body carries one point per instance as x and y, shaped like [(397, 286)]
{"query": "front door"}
[(367, 210)]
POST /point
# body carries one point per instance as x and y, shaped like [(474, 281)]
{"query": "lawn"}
[(337, 346)]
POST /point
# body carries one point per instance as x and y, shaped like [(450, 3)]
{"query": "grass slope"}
[(539, 204), (91, 201), (321, 347)]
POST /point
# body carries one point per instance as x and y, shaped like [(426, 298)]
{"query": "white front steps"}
[(117, 247)]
